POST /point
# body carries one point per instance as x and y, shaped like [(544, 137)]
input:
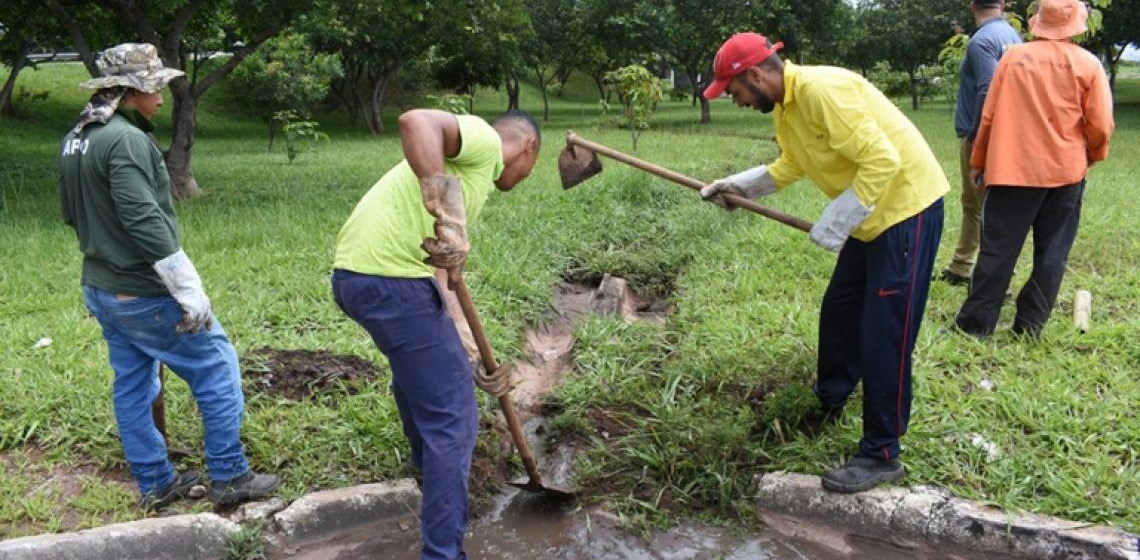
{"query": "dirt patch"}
[(66, 497), (298, 374)]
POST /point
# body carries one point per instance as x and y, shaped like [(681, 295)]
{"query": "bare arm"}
[(429, 136)]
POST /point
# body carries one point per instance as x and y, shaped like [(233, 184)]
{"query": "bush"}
[(285, 74)]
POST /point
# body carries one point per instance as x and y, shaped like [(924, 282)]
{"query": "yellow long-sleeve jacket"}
[(838, 129)]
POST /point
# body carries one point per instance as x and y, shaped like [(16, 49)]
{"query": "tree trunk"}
[(378, 101), (601, 85), (78, 40), (913, 91), (706, 116), (182, 181), (563, 77), (512, 92), (17, 64), (543, 84)]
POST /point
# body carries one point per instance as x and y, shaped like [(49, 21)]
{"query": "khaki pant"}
[(970, 235)]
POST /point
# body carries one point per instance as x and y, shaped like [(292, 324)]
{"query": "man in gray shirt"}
[(993, 36)]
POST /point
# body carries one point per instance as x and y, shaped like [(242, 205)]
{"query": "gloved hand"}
[(443, 198), (750, 183), (181, 278), (839, 219)]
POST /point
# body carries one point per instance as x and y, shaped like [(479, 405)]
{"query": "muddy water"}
[(524, 527)]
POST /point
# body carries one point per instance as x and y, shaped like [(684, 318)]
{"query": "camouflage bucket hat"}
[(133, 65)]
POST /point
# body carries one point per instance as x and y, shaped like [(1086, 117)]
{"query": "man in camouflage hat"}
[(143, 289)]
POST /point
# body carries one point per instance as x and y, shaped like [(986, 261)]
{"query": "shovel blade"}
[(534, 486), (576, 164)]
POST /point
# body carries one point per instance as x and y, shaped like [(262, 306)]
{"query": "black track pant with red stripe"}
[(868, 324)]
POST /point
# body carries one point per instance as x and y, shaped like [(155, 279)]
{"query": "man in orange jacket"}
[(1047, 119)]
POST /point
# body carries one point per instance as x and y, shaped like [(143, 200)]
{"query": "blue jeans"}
[(140, 333), (433, 388), (868, 324)]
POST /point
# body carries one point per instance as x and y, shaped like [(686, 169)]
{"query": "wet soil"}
[(524, 527), (298, 374)]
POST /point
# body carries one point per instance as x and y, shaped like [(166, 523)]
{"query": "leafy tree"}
[(482, 46), (184, 32), (614, 33), (639, 92), (691, 31), (1120, 27), (284, 75), (549, 47), (910, 33), (376, 41)]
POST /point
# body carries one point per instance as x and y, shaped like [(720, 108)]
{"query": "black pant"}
[(1007, 216), (868, 323)]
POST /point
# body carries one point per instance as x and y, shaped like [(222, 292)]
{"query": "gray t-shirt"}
[(982, 55)]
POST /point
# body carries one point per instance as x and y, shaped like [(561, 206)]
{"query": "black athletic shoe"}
[(861, 474), (177, 489), (249, 486), (953, 278)]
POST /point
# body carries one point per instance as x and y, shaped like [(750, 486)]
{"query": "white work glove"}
[(839, 219), (750, 183), (181, 278), (443, 198)]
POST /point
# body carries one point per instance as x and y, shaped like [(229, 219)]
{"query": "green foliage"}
[(452, 102), (639, 92), (285, 74), (744, 294), (247, 543), (301, 136)]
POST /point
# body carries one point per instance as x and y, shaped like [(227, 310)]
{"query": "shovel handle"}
[(738, 201), (456, 283)]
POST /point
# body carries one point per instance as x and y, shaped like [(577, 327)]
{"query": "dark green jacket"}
[(115, 191)]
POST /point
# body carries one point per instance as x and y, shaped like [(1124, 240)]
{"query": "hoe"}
[(579, 161)]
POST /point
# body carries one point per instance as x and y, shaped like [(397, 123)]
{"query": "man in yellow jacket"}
[(884, 220)]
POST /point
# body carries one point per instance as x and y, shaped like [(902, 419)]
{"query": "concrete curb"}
[(205, 536), (182, 537), (928, 515), (321, 515)]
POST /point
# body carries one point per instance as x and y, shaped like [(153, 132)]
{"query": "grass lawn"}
[(692, 409)]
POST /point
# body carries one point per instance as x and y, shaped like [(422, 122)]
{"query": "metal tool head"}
[(536, 486), (576, 164)]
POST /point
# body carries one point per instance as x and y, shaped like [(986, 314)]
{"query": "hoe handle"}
[(738, 201), (455, 279)]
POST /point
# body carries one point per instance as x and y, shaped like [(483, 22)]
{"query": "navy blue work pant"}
[(434, 391), (1054, 215), (868, 323)]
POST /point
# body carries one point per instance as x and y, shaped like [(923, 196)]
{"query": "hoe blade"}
[(576, 164)]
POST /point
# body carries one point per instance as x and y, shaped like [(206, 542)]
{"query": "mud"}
[(523, 527), (299, 374)]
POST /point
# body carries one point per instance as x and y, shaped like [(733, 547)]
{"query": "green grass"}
[(692, 410)]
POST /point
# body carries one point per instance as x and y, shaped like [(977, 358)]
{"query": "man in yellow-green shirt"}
[(391, 257), (884, 220)]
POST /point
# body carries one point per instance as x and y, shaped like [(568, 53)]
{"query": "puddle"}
[(297, 374), (524, 527)]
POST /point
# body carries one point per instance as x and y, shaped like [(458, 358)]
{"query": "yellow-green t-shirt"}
[(383, 235)]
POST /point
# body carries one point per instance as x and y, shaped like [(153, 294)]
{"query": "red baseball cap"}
[(739, 53)]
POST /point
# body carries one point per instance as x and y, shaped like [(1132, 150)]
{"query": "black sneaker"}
[(177, 489), (862, 473), (953, 278), (249, 486)]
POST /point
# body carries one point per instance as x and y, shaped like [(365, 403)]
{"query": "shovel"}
[(579, 161), (534, 479)]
